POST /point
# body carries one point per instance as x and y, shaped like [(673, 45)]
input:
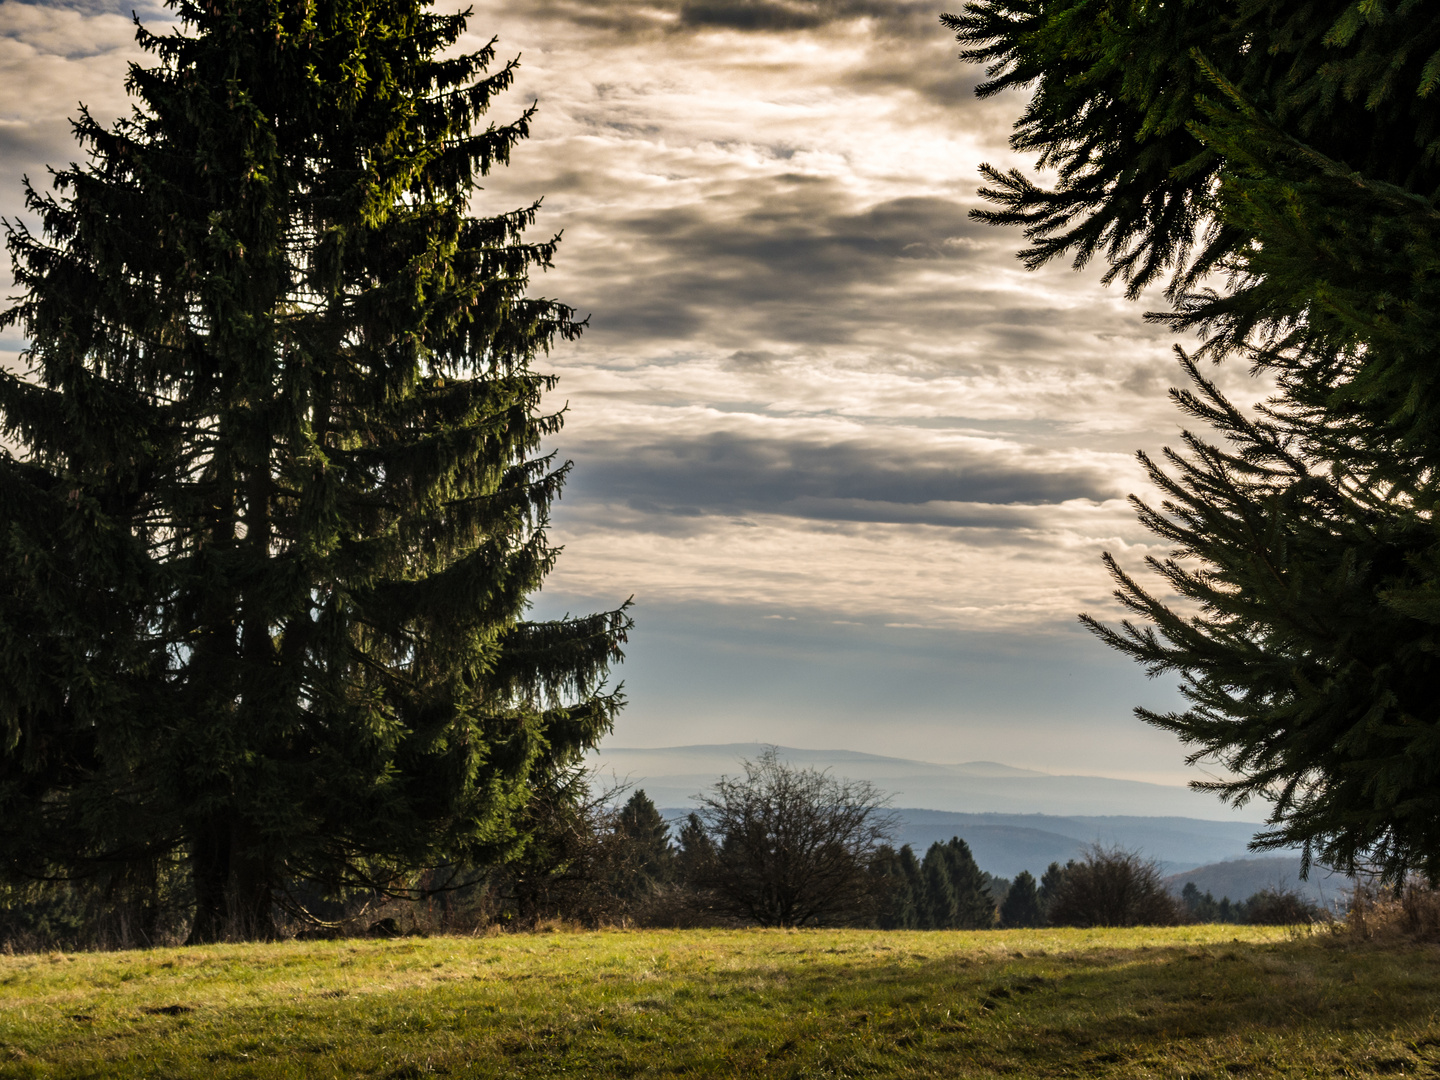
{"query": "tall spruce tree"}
[(1051, 884), (650, 856), (975, 909), (941, 908), (955, 894), (278, 504), (1289, 149), (1021, 906), (902, 888)]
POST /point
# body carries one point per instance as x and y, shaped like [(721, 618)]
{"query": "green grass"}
[(1207, 1001)]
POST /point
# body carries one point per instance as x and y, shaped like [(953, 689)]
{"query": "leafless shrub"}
[(784, 846), (1110, 887), (679, 905)]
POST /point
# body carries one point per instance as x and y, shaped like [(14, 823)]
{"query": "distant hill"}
[(671, 776), (1239, 879), (1005, 844), (1002, 849), (1013, 819)]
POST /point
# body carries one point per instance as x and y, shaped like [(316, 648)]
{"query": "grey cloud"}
[(947, 83), (77, 28), (781, 258), (751, 360), (753, 15), (1146, 380), (1002, 521), (87, 7), (855, 480), (24, 150), (898, 18), (800, 14), (906, 45)]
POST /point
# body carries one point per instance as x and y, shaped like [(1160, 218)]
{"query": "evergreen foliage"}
[(1203, 907), (568, 862), (650, 859), (697, 851), (1292, 150), (996, 888), (956, 892), (1120, 92), (1021, 906), (1268, 907), (1050, 883), (278, 503), (940, 909), (586, 860), (902, 887), (1309, 670), (945, 891)]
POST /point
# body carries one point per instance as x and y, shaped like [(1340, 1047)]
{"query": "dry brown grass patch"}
[(1390, 914)]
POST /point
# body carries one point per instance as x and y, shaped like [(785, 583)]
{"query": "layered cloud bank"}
[(812, 382)]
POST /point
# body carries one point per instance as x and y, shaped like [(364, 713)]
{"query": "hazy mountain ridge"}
[(717, 758), (1239, 879), (672, 776), (1005, 844), (1013, 819)]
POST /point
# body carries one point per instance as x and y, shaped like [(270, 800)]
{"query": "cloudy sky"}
[(855, 465)]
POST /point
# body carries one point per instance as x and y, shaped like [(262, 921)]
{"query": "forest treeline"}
[(818, 857)]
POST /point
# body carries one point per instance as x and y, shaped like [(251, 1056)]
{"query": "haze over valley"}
[(1013, 819)]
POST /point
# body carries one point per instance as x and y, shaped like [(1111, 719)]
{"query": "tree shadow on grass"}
[(1225, 1009), (1367, 1010)]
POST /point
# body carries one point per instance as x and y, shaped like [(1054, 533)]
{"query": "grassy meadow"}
[(1197, 1001)]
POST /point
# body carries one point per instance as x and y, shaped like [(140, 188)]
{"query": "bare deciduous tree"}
[(1109, 887), (790, 846)]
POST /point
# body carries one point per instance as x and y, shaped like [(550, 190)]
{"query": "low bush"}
[(1282, 907), (124, 910), (1108, 887)]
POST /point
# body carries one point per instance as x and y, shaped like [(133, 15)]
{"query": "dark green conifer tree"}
[(1050, 885), (901, 887), (278, 505), (1022, 903), (955, 893), (914, 874), (1203, 907), (975, 909), (942, 905), (695, 860), (1292, 150), (650, 856)]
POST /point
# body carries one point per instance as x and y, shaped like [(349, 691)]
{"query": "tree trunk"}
[(210, 871), (251, 895), (234, 898)]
